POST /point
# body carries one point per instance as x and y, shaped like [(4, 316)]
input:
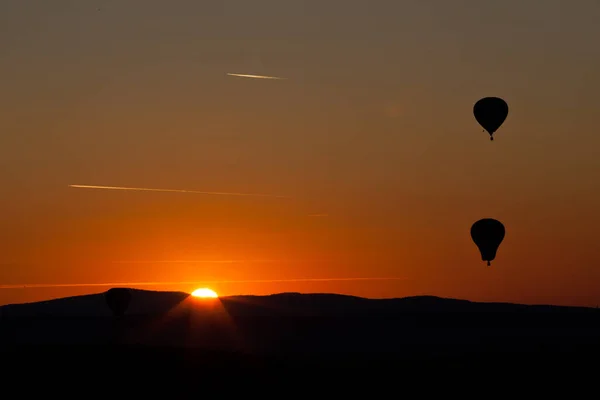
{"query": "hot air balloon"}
[(487, 234), (118, 300), (490, 113)]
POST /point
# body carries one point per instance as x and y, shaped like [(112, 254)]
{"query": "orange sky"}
[(373, 127)]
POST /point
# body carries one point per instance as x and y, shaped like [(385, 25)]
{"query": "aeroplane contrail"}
[(57, 285), (174, 191), (250, 261), (256, 76)]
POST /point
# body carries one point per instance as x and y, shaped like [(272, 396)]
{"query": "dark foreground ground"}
[(143, 370), (296, 343)]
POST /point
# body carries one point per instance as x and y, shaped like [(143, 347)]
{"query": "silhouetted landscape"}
[(242, 333)]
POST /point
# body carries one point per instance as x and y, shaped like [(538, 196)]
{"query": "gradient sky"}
[(372, 127)]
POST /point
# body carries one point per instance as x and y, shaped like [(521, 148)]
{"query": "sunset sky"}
[(369, 140)]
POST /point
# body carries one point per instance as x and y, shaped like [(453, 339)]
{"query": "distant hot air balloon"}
[(487, 234), (118, 300), (490, 112)]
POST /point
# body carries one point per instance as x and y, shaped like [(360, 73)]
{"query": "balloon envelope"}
[(487, 234), (490, 113), (118, 300)]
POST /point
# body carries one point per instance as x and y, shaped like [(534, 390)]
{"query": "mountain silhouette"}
[(146, 302), (172, 335), (294, 322)]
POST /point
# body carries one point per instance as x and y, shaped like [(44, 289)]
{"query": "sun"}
[(205, 293)]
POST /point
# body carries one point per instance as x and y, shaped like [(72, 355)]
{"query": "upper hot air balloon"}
[(487, 234), (490, 112), (118, 300)]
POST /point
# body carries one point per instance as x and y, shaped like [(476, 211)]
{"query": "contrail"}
[(256, 76), (174, 191), (57, 285), (251, 261)]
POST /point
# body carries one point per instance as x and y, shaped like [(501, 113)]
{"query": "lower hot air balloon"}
[(117, 299), (487, 234)]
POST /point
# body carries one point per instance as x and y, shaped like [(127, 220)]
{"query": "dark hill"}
[(294, 323), (145, 302)]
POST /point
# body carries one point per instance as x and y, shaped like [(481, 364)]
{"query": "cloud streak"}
[(256, 76), (175, 191), (130, 284)]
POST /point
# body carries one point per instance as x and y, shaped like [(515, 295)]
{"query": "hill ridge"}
[(148, 302)]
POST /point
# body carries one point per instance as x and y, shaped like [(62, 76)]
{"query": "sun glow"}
[(205, 293)]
